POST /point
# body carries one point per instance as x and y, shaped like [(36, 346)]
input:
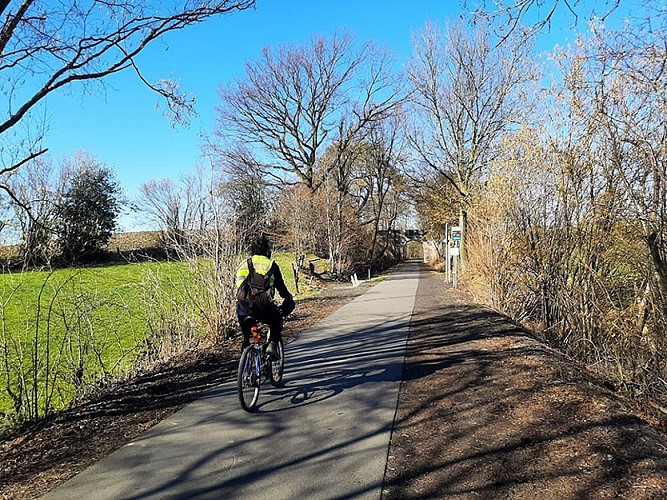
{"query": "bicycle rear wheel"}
[(247, 380), (276, 367)]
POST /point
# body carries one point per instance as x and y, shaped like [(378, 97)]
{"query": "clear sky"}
[(119, 122)]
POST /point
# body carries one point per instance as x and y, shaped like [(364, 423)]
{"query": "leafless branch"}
[(18, 165)]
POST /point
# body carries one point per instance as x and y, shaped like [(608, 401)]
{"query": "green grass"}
[(285, 261), (101, 318), (113, 288), (92, 319)]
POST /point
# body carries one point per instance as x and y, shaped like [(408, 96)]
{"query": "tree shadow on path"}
[(485, 410)]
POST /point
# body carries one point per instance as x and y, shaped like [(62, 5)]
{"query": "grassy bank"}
[(66, 330)]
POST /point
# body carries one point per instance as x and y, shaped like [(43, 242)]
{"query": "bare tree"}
[(295, 101), (382, 188), (301, 220), (249, 198), (569, 232), (362, 192), (627, 71), (464, 97), (173, 207), (200, 217), (338, 165), (511, 13), (38, 186), (46, 46), (160, 204)]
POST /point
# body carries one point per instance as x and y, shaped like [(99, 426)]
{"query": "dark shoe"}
[(272, 351)]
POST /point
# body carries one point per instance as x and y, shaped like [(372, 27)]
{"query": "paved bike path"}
[(323, 435)]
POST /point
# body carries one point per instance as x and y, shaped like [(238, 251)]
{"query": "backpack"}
[(254, 294)]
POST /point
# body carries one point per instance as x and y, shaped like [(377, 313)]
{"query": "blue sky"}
[(119, 122)]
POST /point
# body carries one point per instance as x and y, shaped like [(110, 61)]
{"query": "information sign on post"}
[(456, 233)]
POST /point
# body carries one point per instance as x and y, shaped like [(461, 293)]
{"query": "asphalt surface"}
[(323, 435)]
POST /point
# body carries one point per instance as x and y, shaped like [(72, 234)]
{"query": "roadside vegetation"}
[(567, 233), (66, 331)]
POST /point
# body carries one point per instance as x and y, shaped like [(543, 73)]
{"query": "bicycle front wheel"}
[(276, 367), (247, 380)]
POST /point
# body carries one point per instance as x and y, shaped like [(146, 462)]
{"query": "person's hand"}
[(287, 307)]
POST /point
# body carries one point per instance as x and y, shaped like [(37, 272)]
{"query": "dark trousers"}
[(271, 316)]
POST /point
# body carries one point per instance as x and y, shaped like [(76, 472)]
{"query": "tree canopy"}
[(88, 213)]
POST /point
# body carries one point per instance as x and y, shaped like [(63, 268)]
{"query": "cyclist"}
[(270, 313)]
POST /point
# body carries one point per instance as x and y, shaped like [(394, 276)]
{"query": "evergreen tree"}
[(89, 210)]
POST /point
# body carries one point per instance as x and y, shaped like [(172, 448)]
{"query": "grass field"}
[(64, 329)]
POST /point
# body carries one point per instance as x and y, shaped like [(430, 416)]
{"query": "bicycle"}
[(255, 366)]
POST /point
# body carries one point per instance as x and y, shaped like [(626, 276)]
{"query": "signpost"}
[(454, 252)]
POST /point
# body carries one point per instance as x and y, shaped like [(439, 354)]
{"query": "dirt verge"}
[(487, 411)]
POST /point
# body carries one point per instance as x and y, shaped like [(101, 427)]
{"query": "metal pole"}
[(456, 271), (448, 261), (449, 265)]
